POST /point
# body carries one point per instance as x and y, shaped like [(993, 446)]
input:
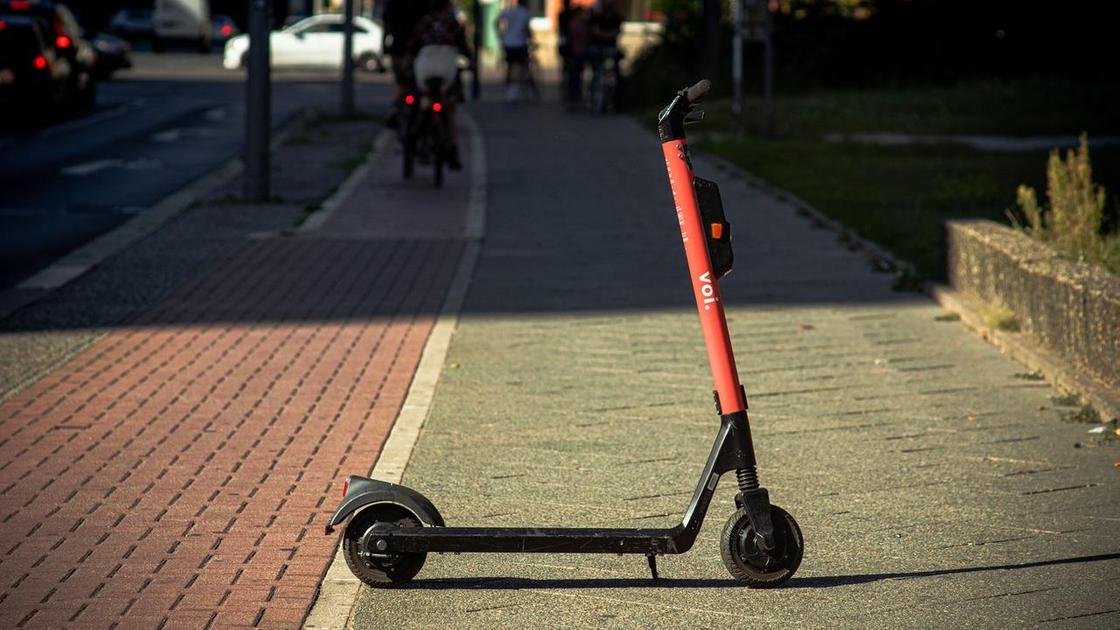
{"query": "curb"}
[(1023, 349), (76, 263), (328, 208), (338, 592)]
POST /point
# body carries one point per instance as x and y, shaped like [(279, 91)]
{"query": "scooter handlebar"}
[(671, 120), (696, 93)]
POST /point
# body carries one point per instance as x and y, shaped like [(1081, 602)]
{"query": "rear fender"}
[(363, 492)]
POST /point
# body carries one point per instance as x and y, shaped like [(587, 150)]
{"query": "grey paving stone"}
[(935, 487)]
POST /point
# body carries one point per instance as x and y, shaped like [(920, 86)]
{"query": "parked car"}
[(314, 42), (112, 54), (132, 23), (66, 51), (182, 22), (224, 28), (34, 78)]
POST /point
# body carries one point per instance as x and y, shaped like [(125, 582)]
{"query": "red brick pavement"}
[(178, 473)]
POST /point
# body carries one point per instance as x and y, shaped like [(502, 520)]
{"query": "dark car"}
[(112, 54), (132, 23), (61, 34), (224, 28), (34, 79)]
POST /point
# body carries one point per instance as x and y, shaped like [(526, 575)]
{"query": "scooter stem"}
[(705, 283)]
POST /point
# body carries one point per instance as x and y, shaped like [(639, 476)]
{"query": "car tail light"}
[(62, 41), (227, 30), (3, 25), (409, 99), (40, 63), (437, 107), (19, 5)]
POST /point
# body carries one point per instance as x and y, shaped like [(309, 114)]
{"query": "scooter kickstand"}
[(652, 559)]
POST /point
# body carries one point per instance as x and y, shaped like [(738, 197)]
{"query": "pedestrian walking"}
[(513, 28), (578, 45)]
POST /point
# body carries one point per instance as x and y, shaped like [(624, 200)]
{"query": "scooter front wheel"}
[(756, 567), (359, 545)]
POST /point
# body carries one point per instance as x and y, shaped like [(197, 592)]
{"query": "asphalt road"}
[(156, 128)]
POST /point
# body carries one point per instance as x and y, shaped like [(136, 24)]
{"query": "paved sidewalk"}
[(178, 472), (935, 482)]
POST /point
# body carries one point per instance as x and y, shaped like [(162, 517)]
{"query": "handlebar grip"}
[(696, 93)]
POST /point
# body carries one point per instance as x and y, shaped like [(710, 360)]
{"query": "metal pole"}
[(737, 62), (348, 60), (476, 15), (347, 96), (711, 10), (258, 108), (768, 70)]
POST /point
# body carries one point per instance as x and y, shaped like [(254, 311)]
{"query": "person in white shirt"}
[(513, 27)]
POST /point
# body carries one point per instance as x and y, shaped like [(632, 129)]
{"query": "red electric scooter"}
[(394, 527)]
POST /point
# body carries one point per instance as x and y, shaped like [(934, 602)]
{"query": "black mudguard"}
[(362, 492)]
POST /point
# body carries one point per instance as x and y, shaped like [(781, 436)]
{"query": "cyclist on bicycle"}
[(400, 18), (605, 25), (440, 31)]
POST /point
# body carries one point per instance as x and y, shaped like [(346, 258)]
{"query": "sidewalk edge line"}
[(338, 592), (79, 261)]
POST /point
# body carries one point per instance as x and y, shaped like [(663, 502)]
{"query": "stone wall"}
[(1069, 307)]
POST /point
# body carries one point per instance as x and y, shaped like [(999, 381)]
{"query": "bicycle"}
[(423, 130), (606, 82)]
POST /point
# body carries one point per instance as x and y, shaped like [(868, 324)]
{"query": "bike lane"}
[(178, 472)]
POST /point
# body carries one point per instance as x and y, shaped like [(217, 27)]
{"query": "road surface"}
[(157, 127)]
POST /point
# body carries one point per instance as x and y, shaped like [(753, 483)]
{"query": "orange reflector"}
[(717, 231), (345, 486)]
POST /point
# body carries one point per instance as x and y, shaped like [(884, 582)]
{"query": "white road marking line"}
[(216, 115), (89, 168), (176, 134), (171, 135)]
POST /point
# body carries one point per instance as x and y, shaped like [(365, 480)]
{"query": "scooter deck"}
[(534, 540)]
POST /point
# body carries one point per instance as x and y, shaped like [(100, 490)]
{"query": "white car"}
[(314, 42), (186, 21)]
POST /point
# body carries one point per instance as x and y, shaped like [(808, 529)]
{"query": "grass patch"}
[(1066, 400), (948, 317), (999, 317), (1017, 108), (1085, 415), (900, 196)]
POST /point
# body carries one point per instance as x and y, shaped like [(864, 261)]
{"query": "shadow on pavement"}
[(516, 583), (513, 584), (847, 580)]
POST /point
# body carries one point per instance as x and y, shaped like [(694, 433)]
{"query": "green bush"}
[(1072, 224)]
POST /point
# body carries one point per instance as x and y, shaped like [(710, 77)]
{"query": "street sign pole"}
[(767, 70), (258, 106), (476, 16), (347, 106)]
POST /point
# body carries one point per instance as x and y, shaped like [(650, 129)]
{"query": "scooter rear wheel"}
[(753, 566), (376, 569)]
